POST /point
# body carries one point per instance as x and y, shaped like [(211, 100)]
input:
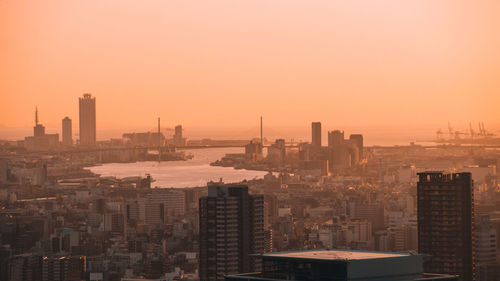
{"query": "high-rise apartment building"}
[(316, 134), (231, 228), (87, 120), (164, 203), (445, 223), (67, 138), (335, 138), (357, 141), (486, 249)]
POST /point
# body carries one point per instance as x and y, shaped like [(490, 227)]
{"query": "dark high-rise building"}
[(316, 134), (87, 120), (231, 228), (335, 138), (445, 223), (357, 140), (67, 138)]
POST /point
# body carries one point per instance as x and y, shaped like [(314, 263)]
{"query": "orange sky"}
[(224, 63)]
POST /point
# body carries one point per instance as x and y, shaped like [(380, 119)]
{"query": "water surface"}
[(190, 173)]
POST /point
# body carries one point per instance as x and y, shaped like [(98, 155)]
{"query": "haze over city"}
[(178, 140), (217, 66)]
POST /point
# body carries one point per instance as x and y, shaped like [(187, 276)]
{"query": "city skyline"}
[(261, 140), (355, 63), (381, 135)]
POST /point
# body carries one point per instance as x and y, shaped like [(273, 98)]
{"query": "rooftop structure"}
[(336, 254), (336, 264), (445, 223)]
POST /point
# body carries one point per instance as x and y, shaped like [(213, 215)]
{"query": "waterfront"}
[(177, 174)]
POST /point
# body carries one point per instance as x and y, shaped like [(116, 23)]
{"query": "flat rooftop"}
[(335, 254)]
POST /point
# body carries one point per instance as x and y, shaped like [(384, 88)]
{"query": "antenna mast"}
[(261, 140), (159, 141)]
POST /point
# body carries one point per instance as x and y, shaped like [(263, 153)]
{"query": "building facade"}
[(67, 132), (231, 228), (87, 120), (445, 223), (316, 134)]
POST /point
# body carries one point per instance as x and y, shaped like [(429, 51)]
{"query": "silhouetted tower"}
[(231, 228), (316, 134), (39, 129), (357, 139), (445, 223), (159, 141), (335, 138), (87, 120), (67, 138), (261, 137)]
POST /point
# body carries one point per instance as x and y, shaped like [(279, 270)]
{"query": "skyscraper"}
[(445, 223), (87, 120), (231, 228), (67, 138), (335, 138), (357, 140), (316, 134)]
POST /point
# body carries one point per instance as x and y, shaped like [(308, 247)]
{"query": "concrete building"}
[(485, 247), (63, 268), (40, 141), (276, 153), (335, 138), (87, 120), (316, 134), (357, 140), (253, 151), (164, 203), (67, 132), (151, 139), (114, 223), (231, 228), (339, 264), (445, 205), (178, 139)]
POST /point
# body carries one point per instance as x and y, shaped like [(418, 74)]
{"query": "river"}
[(177, 174)]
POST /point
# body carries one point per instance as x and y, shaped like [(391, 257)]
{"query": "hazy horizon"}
[(381, 135), (223, 64)]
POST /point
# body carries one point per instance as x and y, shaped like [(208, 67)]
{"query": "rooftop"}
[(335, 254)]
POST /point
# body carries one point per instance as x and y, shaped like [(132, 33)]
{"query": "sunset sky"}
[(222, 64)]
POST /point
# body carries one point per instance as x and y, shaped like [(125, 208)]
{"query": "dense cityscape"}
[(263, 140), (432, 212)]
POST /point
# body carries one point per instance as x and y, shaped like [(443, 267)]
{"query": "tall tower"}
[(316, 134), (261, 133), (67, 134), (87, 120), (231, 228), (38, 129), (159, 141), (445, 223)]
